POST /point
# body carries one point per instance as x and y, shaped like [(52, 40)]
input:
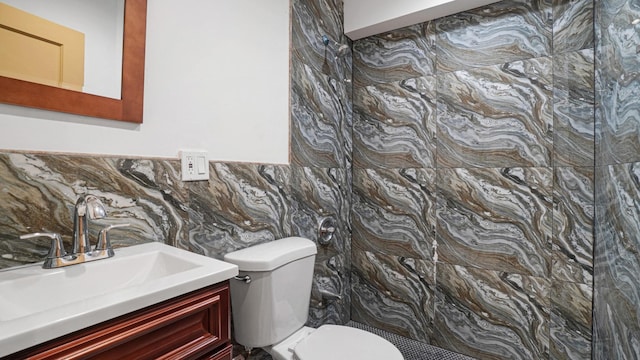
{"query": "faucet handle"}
[(56, 251), (104, 244)]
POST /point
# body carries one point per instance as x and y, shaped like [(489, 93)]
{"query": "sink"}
[(38, 304)]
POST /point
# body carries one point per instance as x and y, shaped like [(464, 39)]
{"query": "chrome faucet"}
[(87, 207)]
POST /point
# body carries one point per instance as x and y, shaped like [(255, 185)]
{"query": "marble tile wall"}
[(471, 142), (241, 204), (473, 203), (616, 328), (39, 192), (321, 147), (320, 86)]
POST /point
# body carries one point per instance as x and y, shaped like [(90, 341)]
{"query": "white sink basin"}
[(38, 304)]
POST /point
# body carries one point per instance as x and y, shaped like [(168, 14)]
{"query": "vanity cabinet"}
[(191, 326)]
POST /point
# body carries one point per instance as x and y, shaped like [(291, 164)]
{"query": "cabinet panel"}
[(225, 354), (192, 326)]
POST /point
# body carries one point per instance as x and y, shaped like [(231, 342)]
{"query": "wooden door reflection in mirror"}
[(130, 105)]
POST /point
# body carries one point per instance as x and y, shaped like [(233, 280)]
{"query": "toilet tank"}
[(275, 303)]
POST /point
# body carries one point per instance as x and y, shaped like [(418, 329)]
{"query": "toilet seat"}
[(342, 342)]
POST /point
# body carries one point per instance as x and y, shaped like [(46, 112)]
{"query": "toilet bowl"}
[(270, 306), (333, 342)]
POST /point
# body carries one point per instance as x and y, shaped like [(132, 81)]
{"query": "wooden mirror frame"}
[(127, 108)]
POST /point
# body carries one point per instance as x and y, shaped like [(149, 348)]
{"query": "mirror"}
[(130, 105), (76, 44)]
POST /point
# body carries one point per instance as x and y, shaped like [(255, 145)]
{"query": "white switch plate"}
[(195, 165)]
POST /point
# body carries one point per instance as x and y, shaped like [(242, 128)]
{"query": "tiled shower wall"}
[(473, 142), (241, 204), (617, 261), (474, 130)]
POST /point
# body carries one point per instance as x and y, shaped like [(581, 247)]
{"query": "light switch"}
[(201, 165), (195, 165)]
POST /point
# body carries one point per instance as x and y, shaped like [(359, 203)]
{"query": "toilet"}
[(270, 305)]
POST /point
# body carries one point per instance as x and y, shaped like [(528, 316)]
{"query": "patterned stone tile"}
[(313, 20), (616, 261), (573, 217), (395, 124), (572, 25), (616, 328), (318, 193), (394, 211), (494, 34), (496, 219), (39, 193), (241, 205), (574, 98), (618, 128), (570, 328), (491, 315), (617, 82), (393, 293), (163, 197), (497, 116), (331, 290), (395, 56), (321, 119)]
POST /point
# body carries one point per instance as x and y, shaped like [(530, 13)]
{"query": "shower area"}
[(482, 171), (491, 157)]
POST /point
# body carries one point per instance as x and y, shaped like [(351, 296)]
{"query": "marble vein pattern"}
[(393, 293), (394, 211), (616, 328), (491, 315), (311, 20), (494, 34), (497, 116), (395, 124), (574, 101), (573, 217), (318, 193), (395, 56), (241, 205), (496, 219), (39, 193), (617, 82), (321, 119), (315, 194), (572, 25), (331, 290), (570, 321)]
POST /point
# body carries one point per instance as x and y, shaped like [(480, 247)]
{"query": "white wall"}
[(216, 79), (364, 18)]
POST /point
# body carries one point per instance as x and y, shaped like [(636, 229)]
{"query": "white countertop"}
[(37, 305)]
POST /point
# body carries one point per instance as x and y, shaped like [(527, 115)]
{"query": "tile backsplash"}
[(241, 205)]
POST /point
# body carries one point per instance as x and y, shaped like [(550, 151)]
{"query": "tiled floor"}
[(410, 349)]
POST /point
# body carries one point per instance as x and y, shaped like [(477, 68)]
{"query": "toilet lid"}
[(342, 342)]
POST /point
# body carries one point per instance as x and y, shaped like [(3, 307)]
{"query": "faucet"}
[(87, 205)]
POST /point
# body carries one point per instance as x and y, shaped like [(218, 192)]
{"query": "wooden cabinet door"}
[(193, 326)]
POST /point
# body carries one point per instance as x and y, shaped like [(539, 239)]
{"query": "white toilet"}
[(270, 307)]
